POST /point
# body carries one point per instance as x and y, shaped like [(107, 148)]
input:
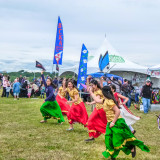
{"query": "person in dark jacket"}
[(126, 91), (146, 94), (50, 107)]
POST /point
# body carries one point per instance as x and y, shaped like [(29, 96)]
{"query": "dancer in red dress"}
[(97, 121), (77, 112), (61, 98)]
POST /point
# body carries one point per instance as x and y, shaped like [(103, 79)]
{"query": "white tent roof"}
[(93, 63), (127, 66), (154, 68)]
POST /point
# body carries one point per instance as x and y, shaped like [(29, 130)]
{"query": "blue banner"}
[(103, 61), (82, 74), (58, 52)]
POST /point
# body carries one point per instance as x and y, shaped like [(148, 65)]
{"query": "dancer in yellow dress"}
[(118, 135), (77, 112)]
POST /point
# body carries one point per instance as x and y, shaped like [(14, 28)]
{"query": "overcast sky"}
[(28, 29)]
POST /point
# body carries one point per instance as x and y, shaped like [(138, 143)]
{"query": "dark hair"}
[(71, 81), (52, 84), (113, 87), (65, 83), (125, 80), (95, 82), (106, 90)]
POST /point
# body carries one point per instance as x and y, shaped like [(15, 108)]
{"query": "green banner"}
[(116, 59)]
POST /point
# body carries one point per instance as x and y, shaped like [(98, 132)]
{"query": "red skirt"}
[(97, 123), (78, 113), (63, 105)]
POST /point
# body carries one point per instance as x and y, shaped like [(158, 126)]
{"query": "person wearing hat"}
[(146, 94)]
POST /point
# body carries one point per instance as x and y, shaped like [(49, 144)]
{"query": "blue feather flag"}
[(58, 52), (103, 61), (82, 74)]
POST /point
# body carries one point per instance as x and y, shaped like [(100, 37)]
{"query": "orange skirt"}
[(63, 105), (78, 113), (97, 123)]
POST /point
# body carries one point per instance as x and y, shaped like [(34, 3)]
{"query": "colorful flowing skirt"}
[(51, 109), (63, 105), (129, 117), (119, 137), (97, 123), (78, 113)]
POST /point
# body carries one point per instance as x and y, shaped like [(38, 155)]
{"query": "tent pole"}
[(110, 68)]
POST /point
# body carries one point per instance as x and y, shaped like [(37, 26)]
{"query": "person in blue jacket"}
[(16, 89)]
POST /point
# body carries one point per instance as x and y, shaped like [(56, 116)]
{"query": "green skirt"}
[(119, 138), (51, 109)]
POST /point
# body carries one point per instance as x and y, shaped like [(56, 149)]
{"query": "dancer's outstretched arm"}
[(43, 79)]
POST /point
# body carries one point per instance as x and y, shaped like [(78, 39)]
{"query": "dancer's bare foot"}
[(43, 121)]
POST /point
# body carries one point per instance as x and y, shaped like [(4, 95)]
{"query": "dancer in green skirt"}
[(118, 135), (50, 107)]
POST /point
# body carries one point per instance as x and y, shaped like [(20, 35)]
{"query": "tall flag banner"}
[(82, 74), (58, 52), (103, 61), (39, 65)]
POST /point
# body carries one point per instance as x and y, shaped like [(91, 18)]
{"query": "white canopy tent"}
[(155, 68), (93, 63), (115, 66)]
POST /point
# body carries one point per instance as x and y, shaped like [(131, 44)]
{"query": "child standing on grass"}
[(42, 91), (16, 89), (8, 88), (118, 135), (29, 91)]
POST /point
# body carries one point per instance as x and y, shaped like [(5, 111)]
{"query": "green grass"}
[(22, 137)]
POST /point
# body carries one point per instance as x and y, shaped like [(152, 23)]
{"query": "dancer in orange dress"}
[(97, 121), (61, 98), (77, 112)]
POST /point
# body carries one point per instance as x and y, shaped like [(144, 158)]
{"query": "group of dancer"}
[(110, 116)]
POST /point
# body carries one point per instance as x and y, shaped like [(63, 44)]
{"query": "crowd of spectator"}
[(22, 87)]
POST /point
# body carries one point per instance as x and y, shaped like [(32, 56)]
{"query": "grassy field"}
[(22, 137)]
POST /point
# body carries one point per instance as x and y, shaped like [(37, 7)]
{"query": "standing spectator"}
[(16, 89), (137, 93), (29, 91), (103, 82), (4, 86), (146, 94), (117, 83), (1, 78), (35, 89), (24, 88), (8, 77), (8, 88), (42, 90), (127, 92), (55, 81), (20, 79)]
